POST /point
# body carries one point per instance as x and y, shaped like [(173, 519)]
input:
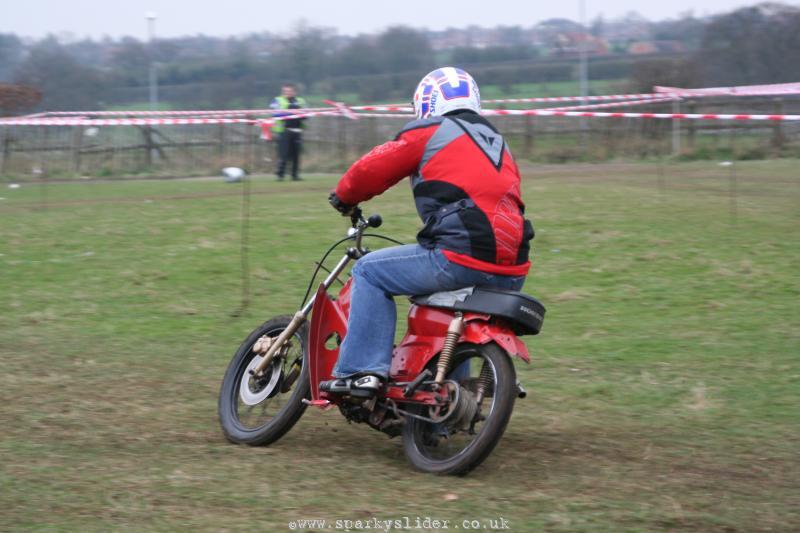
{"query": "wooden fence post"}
[(676, 129), (148, 146), (77, 140), (221, 143), (372, 133), (251, 148), (43, 159), (778, 138), (5, 151), (342, 143), (691, 124), (609, 139), (528, 136)]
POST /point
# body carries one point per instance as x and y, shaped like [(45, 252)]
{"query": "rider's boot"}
[(357, 385)]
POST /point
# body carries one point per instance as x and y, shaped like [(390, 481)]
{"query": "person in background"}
[(288, 133)]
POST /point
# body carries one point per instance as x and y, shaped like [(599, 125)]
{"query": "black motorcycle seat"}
[(525, 313)]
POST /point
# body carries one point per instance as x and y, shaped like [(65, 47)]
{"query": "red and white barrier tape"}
[(774, 89), (487, 112), (593, 98), (543, 99), (391, 108), (343, 109), (612, 104), (387, 115), (598, 114), (84, 121), (198, 113), (680, 116), (77, 121), (662, 94), (203, 113), (673, 92)]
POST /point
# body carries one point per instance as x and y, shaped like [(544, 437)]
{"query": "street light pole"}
[(583, 67), (151, 35)]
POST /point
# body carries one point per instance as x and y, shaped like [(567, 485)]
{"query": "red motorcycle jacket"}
[(466, 188)]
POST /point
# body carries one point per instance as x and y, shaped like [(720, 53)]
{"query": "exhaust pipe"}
[(521, 392)]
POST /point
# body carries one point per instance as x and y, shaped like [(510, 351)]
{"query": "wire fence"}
[(332, 143)]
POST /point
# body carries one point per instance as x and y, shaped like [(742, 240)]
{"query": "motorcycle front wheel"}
[(466, 436), (259, 411)]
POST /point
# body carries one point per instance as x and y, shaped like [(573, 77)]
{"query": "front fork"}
[(272, 348)]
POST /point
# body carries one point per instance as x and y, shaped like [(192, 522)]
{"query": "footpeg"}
[(316, 403)]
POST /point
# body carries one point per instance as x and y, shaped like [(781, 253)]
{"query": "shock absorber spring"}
[(454, 331), (484, 381)]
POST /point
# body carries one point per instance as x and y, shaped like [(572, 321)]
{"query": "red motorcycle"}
[(452, 384)]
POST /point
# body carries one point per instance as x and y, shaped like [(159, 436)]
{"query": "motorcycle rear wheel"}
[(437, 449), (259, 412)]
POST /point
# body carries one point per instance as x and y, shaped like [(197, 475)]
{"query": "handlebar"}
[(356, 216), (360, 225)]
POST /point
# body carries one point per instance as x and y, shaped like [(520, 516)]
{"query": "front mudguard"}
[(328, 322)]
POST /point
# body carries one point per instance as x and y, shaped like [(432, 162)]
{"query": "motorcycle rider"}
[(466, 187)]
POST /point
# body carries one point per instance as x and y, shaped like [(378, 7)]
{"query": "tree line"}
[(757, 44)]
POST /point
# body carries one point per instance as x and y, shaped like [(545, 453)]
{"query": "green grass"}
[(556, 88), (663, 390), (517, 90), (142, 106), (488, 91)]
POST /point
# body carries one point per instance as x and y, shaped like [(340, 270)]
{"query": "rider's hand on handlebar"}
[(343, 208)]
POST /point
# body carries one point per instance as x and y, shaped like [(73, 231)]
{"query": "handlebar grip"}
[(375, 221)]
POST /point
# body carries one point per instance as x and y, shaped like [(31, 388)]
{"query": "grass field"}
[(488, 91), (663, 391), (517, 90)]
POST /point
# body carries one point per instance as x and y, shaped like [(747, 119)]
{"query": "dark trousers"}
[(289, 145)]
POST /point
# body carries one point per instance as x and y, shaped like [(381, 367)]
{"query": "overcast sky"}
[(95, 18)]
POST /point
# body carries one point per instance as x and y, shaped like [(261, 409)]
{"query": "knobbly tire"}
[(459, 453), (259, 412)]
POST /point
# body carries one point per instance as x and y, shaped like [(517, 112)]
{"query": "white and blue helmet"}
[(446, 89)]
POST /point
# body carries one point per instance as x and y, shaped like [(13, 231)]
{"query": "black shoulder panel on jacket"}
[(419, 124)]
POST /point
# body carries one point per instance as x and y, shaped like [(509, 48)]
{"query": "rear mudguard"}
[(427, 329)]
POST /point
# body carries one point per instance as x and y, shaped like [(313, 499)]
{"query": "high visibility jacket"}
[(466, 188), (281, 102)]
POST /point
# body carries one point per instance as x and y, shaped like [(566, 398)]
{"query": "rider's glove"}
[(343, 208)]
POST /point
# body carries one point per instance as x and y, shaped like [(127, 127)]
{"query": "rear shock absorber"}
[(485, 381), (454, 331)]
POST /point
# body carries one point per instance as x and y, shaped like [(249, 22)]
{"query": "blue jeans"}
[(389, 272)]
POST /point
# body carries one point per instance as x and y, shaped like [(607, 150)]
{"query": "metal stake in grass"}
[(733, 190), (39, 176), (230, 173)]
